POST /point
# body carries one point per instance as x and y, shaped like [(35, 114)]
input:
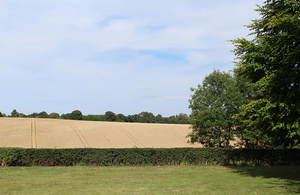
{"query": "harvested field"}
[(56, 133)]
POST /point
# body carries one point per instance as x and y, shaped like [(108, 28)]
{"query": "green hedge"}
[(147, 156)]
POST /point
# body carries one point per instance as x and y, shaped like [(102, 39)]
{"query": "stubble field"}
[(56, 133), (53, 133)]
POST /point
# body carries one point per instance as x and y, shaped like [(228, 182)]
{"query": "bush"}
[(147, 156)]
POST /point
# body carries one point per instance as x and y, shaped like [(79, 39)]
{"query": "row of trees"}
[(43, 114), (143, 117), (148, 117), (260, 102)]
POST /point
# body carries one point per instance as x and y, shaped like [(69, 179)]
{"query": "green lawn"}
[(150, 180)]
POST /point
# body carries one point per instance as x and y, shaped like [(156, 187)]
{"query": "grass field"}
[(150, 180)]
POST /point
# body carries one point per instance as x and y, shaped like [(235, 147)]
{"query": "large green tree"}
[(270, 64), (213, 104)]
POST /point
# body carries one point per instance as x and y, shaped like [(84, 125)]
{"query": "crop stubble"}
[(56, 133)]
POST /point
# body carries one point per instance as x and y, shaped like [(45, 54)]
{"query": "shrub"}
[(147, 156)]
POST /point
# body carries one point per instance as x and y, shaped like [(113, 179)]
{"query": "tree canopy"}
[(43, 114), (270, 65), (14, 113), (76, 115), (54, 115), (213, 104), (143, 117), (110, 116)]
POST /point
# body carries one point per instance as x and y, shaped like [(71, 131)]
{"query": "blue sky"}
[(121, 56)]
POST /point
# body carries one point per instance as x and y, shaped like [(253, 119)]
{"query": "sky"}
[(122, 56)]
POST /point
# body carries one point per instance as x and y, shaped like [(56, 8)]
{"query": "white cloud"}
[(101, 55)]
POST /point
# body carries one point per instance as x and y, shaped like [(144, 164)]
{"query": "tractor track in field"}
[(33, 134), (177, 135), (136, 141), (56, 133), (80, 136)]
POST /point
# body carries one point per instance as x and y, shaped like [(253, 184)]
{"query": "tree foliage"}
[(143, 117), (43, 114), (33, 115), (22, 115), (213, 104), (121, 118), (110, 116), (14, 113), (54, 115), (182, 118), (76, 115), (270, 64), (146, 117), (158, 118)]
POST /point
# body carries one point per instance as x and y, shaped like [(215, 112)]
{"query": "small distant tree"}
[(66, 116), (33, 115), (147, 117), (159, 118), (121, 118), (133, 118), (171, 119), (91, 117), (14, 113), (76, 115), (110, 116), (1, 114), (22, 115), (43, 114), (182, 119), (54, 115)]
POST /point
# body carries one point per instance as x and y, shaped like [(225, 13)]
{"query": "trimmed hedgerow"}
[(147, 156)]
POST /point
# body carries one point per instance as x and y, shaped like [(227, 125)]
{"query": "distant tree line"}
[(143, 117)]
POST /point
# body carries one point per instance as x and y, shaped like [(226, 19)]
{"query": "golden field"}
[(58, 133)]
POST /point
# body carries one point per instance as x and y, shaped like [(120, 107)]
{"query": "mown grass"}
[(150, 180)]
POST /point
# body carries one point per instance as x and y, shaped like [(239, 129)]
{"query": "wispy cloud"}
[(124, 56)]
